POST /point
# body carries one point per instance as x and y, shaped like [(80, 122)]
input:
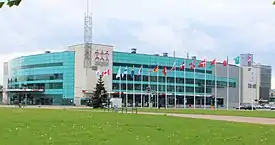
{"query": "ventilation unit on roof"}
[(133, 50), (194, 58), (156, 54), (47, 51), (165, 54)]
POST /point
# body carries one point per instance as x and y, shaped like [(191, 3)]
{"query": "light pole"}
[(10, 3)]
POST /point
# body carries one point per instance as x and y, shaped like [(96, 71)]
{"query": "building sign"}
[(22, 90), (101, 58)]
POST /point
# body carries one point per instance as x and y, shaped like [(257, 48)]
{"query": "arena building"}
[(60, 78)]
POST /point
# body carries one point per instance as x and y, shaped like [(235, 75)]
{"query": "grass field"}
[(246, 113), (67, 127)]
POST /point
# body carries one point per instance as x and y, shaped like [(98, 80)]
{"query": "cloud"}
[(200, 27)]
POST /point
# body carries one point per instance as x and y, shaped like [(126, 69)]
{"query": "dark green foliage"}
[(100, 96), (1, 4)]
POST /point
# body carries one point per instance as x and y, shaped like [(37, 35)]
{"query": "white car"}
[(259, 106), (272, 108), (266, 106)]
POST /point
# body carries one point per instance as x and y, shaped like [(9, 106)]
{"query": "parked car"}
[(272, 108), (246, 107), (259, 107), (266, 106)]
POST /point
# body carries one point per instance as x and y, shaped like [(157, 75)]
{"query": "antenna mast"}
[(88, 36)]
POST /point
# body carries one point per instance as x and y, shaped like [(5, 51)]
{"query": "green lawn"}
[(67, 127), (246, 113)]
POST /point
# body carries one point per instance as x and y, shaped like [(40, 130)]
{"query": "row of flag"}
[(103, 73), (192, 65)]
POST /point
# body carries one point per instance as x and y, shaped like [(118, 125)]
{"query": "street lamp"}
[(10, 3)]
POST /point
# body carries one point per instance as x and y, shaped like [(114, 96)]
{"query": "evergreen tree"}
[(100, 96)]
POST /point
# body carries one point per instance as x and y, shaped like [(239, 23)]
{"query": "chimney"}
[(165, 54), (133, 50)]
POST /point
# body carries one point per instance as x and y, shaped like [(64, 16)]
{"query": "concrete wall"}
[(251, 77), (233, 99), (5, 82), (86, 79)]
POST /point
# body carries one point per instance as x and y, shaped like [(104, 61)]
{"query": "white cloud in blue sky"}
[(207, 28)]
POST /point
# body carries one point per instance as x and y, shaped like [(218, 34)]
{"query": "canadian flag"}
[(213, 62), (106, 72), (202, 63), (191, 65), (164, 70), (182, 66)]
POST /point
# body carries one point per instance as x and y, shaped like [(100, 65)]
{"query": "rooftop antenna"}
[(88, 36)]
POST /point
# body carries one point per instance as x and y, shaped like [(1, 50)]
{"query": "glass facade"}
[(52, 72), (156, 80)]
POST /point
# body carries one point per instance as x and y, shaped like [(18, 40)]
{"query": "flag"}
[(213, 62), (202, 63), (118, 75), (182, 66), (98, 74), (249, 59), (125, 71), (155, 69), (174, 66), (225, 62), (133, 72), (139, 71), (164, 70), (237, 60), (191, 65), (106, 72)]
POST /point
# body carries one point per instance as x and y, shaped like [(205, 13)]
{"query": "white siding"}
[(86, 79)]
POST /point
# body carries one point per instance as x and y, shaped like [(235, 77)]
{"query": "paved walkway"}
[(256, 120)]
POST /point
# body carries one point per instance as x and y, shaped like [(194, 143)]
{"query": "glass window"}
[(41, 65), (38, 77)]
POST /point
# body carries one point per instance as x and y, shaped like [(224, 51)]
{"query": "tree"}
[(100, 96), (10, 3)]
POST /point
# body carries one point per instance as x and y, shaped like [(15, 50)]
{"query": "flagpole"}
[(184, 89), (120, 82), (166, 91), (227, 89), (175, 81), (175, 88), (215, 85), (204, 86), (194, 86), (157, 89), (134, 96), (239, 87), (141, 89), (149, 85), (126, 100)]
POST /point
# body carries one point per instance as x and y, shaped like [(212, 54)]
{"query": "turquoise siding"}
[(122, 59), (27, 69)]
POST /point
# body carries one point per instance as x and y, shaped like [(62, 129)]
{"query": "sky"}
[(205, 28)]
